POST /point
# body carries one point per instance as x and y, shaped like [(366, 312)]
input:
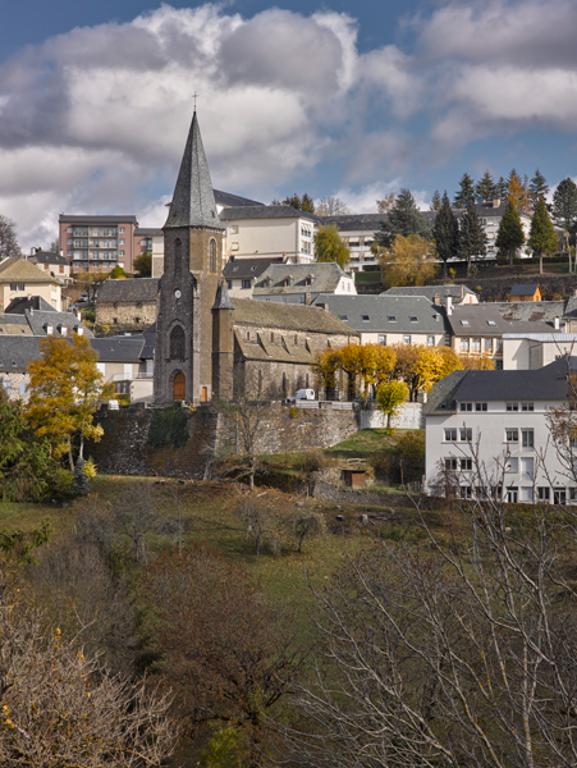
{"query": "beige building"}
[(20, 278), (269, 231), (52, 263)]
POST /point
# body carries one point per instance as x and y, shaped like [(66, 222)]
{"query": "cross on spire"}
[(195, 97)]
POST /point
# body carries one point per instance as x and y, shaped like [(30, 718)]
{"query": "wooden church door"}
[(178, 386)]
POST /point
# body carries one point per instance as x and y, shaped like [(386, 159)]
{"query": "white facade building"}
[(528, 351), (488, 432)]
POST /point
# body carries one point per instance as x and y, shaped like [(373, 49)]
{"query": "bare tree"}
[(9, 248), (245, 419), (456, 654), (62, 708), (331, 206)]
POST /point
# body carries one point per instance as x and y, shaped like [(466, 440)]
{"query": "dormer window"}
[(392, 318), (465, 323)]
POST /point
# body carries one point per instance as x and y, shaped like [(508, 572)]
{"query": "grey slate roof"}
[(355, 222), (290, 317), (38, 320), (119, 349), (222, 299), (228, 199), (129, 290), (392, 314), (325, 277), (496, 318), (193, 203), (430, 291), (47, 257), (20, 305), (243, 269), (549, 383), (265, 212), (14, 325), (17, 351), (148, 231)]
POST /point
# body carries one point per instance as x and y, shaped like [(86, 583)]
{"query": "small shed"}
[(356, 478), (525, 292)]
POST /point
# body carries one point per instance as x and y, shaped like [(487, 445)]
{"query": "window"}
[(512, 406), (413, 319), (176, 343), (466, 434), (392, 318), (528, 467), (466, 406), (488, 345), (451, 464), (465, 323), (212, 261), (466, 465), (365, 318), (17, 286), (463, 345), (177, 254), (543, 493), (572, 494), (527, 438), (492, 323), (526, 494), (476, 346), (245, 283), (466, 491), (229, 284), (382, 339), (430, 341), (512, 494), (559, 496), (512, 435), (527, 407), (512, 465), (451, 435), (407, 339), (122, 387), (480, 406)]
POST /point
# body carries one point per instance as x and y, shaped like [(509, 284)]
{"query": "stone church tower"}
[(188, 305)]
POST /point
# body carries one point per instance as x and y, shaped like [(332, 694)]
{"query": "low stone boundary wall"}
[(409, 416)]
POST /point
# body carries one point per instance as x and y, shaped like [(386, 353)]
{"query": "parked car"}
[(302, 394)]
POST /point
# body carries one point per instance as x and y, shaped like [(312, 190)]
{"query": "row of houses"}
[(253, 231)]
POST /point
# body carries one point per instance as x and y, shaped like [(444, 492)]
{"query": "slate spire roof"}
[(222, 300), (193, 203)]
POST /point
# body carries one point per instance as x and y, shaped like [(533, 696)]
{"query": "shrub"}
[(405, 463), (168, 427)]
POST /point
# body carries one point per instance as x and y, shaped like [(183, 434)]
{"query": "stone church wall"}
[(126, 315), (126, 447)]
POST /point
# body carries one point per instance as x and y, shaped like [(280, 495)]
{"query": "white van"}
[(304, 394)]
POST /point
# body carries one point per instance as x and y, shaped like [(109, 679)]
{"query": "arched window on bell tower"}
[(176, 344), (212, 260)]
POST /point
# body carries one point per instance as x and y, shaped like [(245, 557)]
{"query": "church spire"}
[(193, 202)]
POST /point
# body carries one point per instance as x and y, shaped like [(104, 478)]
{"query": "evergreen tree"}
[(472, 238), (538, 188), (565, 204), (466, 193), (518, 192), (9, 248), (436, 201), (543, 238), (446, 232), (404, 218), (486, 189), (304, 203), (501, 188), (510, 236)]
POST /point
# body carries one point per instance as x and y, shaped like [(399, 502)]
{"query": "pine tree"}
[(538, 188), (9, 248), (404, 218), (307, 203), (472, 238), (518, 192), (510, 236), (501, 188), (304, 203), (486, 189), (436, 201), (565, 204), (543, 238), (446, 232), (466, 193)]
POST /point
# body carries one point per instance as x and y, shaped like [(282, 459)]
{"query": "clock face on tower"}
[(177, 294)]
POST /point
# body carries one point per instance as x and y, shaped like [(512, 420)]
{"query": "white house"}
[(391, 319), (488, 432), (527, 351)]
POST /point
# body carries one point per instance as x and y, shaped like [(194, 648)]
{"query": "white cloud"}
[(96, 118), (364, 199)]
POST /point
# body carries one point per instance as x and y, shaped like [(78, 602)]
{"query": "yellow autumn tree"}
[(65, 390), (410, 260), (327, 365)]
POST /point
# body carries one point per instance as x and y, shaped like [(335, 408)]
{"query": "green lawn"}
[(363, 444)]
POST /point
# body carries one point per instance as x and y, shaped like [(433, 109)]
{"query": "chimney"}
[(556, 323), (449, 306), (496, 202), (49, 330)]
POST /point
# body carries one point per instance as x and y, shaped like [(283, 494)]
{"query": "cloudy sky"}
[(331, 97)]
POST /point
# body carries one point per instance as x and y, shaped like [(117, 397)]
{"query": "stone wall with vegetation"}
[(180, 443)]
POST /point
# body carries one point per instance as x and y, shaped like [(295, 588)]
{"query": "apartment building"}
[(490, 432), (358, 233), (98, 243)]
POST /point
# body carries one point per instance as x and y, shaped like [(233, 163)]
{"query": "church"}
[(209, 347)]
